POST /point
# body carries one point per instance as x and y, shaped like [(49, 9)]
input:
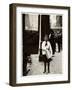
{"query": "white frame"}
[(41, 78)]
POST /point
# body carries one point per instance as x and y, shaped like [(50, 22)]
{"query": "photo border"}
[(12, 63)]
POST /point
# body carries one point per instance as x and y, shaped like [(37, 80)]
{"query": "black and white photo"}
[(39, 44), (37, 31)]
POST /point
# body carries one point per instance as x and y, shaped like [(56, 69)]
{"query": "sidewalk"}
[(36, 68)]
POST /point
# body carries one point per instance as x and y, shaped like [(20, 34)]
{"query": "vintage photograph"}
[(42, 44), (39, 44)]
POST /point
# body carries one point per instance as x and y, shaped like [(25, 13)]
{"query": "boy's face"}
[(46, 38)]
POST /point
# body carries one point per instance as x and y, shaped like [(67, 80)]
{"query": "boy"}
[(46, 52)]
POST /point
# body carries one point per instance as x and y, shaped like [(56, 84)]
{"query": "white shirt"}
[(46, 49)]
